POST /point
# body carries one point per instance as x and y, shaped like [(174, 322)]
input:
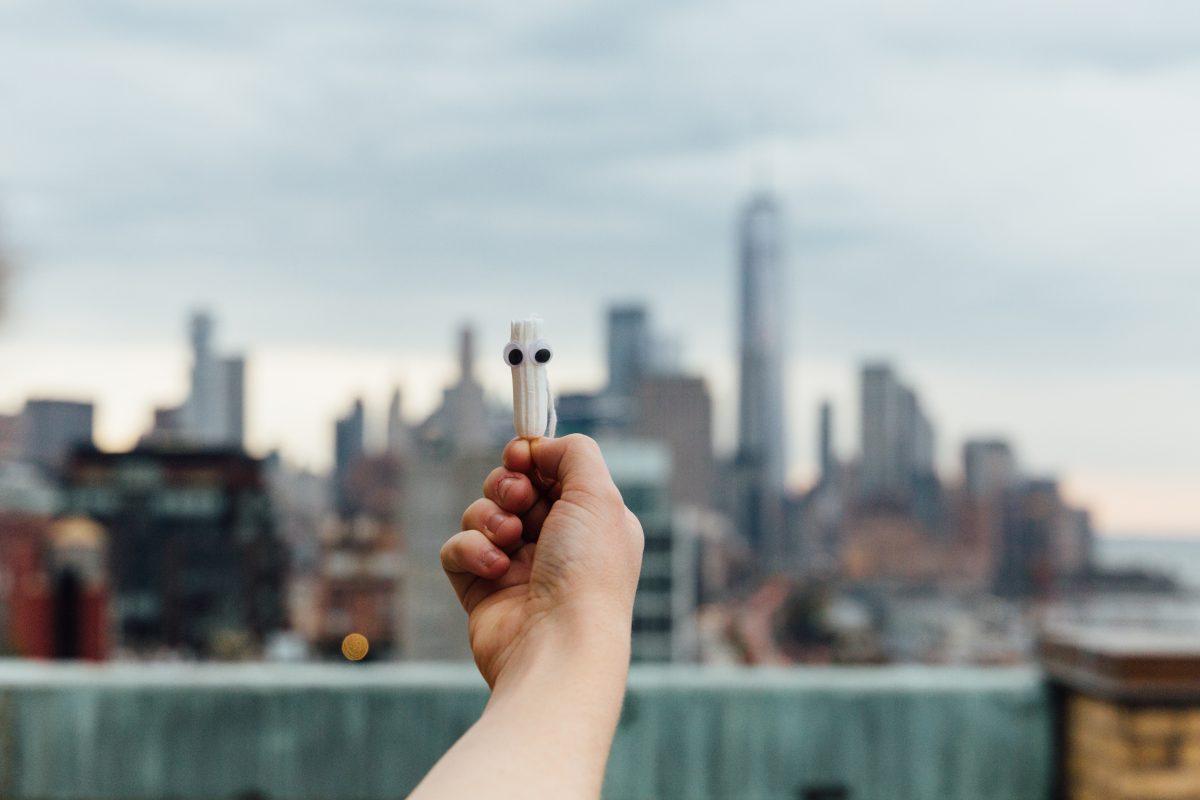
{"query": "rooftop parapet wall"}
[(364, 731)]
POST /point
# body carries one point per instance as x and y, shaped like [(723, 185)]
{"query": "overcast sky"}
[(1002, 197)]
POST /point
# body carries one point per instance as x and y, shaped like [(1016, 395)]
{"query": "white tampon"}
[(533, 403)]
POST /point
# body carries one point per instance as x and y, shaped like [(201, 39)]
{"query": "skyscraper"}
[(202, 414), (676, 410), (897, 437), (989, 468), (882, 472), (461, 421), (397, 432), (629, 346), (1032, 514), (233, 400), (348, 447), (825, 455), (898, 448), (761, 463), (214, 412)]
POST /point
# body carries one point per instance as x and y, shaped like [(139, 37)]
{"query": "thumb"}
[(574, 462)]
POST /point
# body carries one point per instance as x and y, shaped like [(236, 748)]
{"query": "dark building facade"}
[(348, 448), (195, 564), (1032, 513)]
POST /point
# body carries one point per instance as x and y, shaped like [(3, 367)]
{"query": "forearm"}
[(548, 726)]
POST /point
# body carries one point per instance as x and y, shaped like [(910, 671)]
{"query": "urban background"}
[(885, 339), (188, 545)]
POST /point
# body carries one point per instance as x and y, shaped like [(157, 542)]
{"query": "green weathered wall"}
[(364, 731)]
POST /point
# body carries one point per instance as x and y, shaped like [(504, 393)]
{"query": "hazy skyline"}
[(1002, 200)]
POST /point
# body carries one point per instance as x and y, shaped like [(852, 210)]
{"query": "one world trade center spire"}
[(761, 450)]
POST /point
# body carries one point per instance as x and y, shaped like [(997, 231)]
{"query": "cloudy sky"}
[(1002, 198)]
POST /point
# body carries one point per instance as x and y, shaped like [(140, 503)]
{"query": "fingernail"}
[(489, 558), (505, 486), (496, 522)]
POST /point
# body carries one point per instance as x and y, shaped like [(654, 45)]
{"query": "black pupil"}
[(542, 356), (514, 356)]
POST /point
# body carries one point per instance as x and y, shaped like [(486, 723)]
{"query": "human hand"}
[(547, 559), (546, 567)]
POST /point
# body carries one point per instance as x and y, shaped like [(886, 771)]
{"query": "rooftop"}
[(142, 732)]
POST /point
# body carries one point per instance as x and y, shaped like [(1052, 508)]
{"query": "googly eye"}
[(541, 351), (513, 354)]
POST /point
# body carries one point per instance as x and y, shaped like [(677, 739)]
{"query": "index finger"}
[(517, 456)]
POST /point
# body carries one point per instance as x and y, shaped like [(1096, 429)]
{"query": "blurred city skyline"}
[(995, 199)]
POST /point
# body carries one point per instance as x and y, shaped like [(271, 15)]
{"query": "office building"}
[(629, 348), (883, 473), (676, 410), (214, 412), (816, 518), (989, 468), (349, 443), (663, 610), (826, 458), (593, 414), (1033, 511), (194, 561), (897, 439), (10, 436), (760, 461), (399, 438), (1073, 543), (52, 429), (461, 422), (433, 625), (989, 473)]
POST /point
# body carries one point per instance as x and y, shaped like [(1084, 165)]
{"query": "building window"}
[(657, 544), (654, 583), (651, 625)]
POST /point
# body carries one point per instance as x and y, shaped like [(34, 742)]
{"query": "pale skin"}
[(546, 567)]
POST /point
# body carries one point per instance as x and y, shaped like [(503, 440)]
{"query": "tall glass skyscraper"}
[(629, 347), (761, 446), (214, 412)]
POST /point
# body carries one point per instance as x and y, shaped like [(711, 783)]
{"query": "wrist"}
[(574, 645), (562, 692)]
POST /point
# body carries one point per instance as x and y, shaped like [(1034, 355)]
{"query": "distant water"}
[(1178, 557)]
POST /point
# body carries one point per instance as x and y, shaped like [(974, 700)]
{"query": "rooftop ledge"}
[(128, 731), (462, 676)]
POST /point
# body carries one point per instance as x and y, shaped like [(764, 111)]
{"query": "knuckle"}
[(583, 444)]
